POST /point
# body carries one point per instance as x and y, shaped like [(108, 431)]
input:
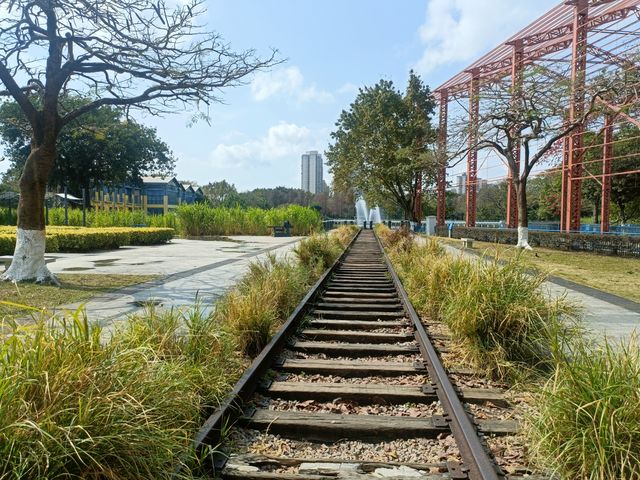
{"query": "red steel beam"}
[(576, 112), (516, 88), (555, 40), (607, 156), (472, 159), (441, 193)]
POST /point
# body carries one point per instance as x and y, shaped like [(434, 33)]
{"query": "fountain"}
[(374, 215), (361, 211)]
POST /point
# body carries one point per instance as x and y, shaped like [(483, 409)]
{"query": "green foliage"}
[(74, 239), (103, 146), (625, 189), (586, 421), (8, 216), (383, 142), (199, 219), (75, 403)]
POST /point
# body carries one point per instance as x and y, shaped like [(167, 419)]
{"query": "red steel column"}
[(517, 66), (576, 111), (607, 156), (442, 154), (472, 160), (565, 182)]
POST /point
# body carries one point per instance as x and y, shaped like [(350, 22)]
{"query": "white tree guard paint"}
[(28, 259), (523, 238)]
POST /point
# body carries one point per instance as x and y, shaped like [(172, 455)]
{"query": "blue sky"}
[(331, 48)]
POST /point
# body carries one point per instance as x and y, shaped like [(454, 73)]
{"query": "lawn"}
[(617, 275), (75, 288)]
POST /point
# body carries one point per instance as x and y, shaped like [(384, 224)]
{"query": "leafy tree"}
[(492, 202), (128, 53), (102, 148), (221, 194), (625, 189), (382, 146)]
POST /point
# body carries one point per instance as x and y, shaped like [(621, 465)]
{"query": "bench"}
[(467, 242), (280, 230)]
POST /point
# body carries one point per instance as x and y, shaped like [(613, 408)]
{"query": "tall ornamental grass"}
[(496, 311), (586, 420), (76, 405), (111, 218), (258, 305), (200, 219)]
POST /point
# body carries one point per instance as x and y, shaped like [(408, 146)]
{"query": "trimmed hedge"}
[(77, 239), (619, 245)]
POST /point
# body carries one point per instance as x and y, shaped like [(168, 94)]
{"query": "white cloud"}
[(462, 30), (348, 89), (285, 140), (288, 82)]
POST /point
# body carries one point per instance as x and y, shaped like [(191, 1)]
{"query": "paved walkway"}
[(603, 313), (189, 269)]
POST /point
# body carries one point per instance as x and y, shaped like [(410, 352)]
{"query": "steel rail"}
[(476, 461), (211, 433)]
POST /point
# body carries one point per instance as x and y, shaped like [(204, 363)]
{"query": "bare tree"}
[(533, 116), (129, 53)]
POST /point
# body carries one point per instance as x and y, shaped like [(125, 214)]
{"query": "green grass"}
[(75, 288), (586, 420), (616, 275)]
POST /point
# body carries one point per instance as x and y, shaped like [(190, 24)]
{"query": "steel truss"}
[(590, 36)]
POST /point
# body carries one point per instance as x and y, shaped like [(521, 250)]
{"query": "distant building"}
[(482, 183), (461, 184), (156, 196), (311, 172)]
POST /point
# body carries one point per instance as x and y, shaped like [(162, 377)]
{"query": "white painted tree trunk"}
[(523, 238), (28, 259)]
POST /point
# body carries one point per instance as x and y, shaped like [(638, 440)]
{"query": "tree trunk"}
[(596, 211), (28, 259), (523, 220)]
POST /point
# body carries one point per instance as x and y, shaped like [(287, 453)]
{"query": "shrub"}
[(111, 218), (79, 239), (586, 421)]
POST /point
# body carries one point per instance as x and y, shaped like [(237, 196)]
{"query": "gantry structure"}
[(580, 40)]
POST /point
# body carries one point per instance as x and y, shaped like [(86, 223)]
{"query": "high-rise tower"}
[(311, 172)]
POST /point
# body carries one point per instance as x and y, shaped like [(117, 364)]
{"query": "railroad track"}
[(353, 366)]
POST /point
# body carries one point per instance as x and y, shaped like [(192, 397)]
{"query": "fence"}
[(620, 245)]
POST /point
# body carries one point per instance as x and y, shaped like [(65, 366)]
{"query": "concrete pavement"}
[(188, 268)]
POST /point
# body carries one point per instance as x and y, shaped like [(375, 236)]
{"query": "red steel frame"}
[(567, 25), (472, 157), (441, 184)]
